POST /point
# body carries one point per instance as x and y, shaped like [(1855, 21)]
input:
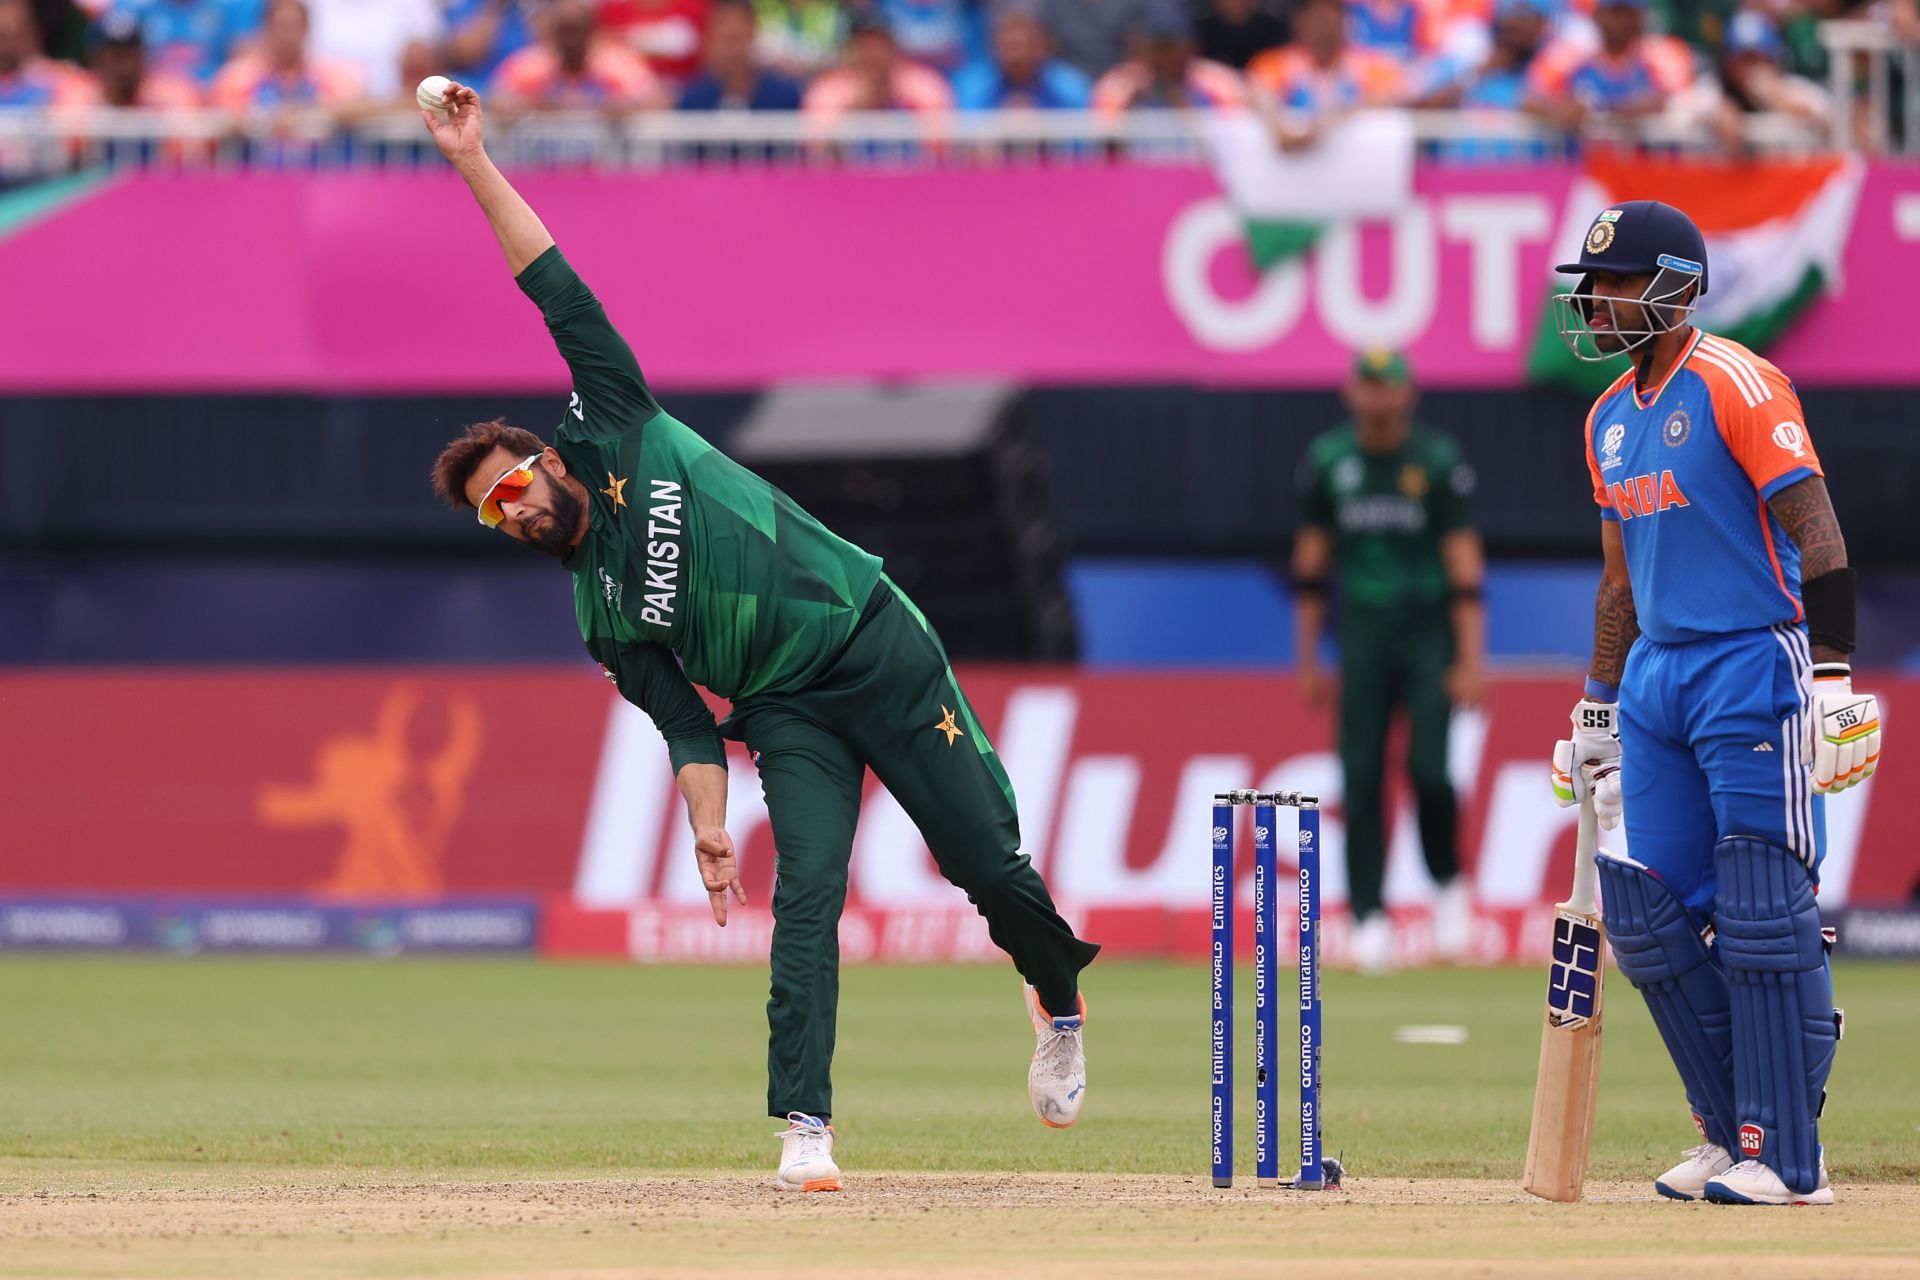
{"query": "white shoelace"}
[(1704, 1151), (813, 1137), (1055, 1050)]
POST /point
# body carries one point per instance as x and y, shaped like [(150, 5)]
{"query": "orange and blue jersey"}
[(1405, 29), (1656, 68), (192, 37), (1687, 470), (38, 83), (612, 77), (1131, 86), (1360, 77), (251, 83), (157, 91)]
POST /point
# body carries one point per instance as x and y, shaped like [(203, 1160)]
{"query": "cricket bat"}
[(1569, 1080)]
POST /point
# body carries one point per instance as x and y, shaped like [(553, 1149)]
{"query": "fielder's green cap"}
[(1383, 364)]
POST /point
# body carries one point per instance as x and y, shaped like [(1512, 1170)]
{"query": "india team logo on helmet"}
[(1634, 238)]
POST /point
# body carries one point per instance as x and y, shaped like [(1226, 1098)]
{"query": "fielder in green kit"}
[(1385, 509), (688, 568)]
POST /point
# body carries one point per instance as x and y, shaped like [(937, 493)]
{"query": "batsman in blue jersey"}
[(1719, 709)]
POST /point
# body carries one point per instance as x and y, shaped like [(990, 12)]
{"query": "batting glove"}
[(1594, 751), (1846, 731)]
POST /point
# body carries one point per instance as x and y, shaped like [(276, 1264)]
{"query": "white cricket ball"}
[(432, 94)]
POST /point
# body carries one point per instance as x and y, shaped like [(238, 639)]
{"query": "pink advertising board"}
[(1111, 274)]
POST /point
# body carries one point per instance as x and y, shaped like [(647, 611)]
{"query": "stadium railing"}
[(42, 143)]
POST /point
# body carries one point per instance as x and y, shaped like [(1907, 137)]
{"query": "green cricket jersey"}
[(1387, 513), (693, 568)]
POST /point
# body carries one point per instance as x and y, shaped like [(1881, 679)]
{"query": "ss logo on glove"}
[(1846, 734)]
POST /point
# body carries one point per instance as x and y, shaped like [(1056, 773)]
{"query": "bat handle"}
[(1585, 846)]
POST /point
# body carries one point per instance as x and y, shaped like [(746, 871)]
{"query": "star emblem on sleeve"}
[(616, 489), (947, 726)]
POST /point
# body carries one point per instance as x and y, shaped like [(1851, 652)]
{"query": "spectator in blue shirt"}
[(1519, 30), (1500, 85), (731, 79), (1022, 71), (482, 33), (942, 34), (192, 37)]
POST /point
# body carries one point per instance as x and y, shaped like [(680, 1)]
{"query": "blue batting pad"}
[(1784, 1029), (1660, 952)]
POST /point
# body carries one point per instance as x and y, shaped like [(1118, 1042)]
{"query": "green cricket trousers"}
[(1390, 658), (889, 703)]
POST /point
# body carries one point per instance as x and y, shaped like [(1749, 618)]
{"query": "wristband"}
[(1602, 692), (1464, 595), (1827, 602), (1310, 586), (1832, 671)]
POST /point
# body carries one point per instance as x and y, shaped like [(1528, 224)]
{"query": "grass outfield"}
[(263, 1100)]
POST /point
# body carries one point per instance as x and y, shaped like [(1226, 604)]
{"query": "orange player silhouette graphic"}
[(397, 808)]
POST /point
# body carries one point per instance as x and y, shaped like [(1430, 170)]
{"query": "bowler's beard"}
[(556, 535)]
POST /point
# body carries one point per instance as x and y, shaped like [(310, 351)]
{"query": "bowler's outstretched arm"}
[(461, 138)]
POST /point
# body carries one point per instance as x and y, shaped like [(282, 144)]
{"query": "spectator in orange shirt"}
[(571, 69), (1322, 75), (1631, 76), (668, 34), (117, 54), (872, 76), (281, 73), (1166, 71)]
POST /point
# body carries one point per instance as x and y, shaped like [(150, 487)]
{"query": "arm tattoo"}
[(1615, 627), (1805, 511)]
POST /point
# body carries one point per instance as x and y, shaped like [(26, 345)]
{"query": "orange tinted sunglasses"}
[(506, 487)]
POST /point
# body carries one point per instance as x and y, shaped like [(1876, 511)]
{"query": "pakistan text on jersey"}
[(1382, 513), (663, 552)]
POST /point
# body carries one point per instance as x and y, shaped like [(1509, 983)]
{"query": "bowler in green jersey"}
[(689, 569), (1386, 515)]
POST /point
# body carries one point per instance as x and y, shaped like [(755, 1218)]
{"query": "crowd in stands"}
[(1569, 62)]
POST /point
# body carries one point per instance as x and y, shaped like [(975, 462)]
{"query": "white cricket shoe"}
[(806, 1155), (1057, 1077), (1688, 1179), (1751, 1182), (1372, 944), (1453, 919)]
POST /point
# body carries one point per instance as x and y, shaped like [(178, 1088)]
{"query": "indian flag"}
[(1361, 168), (1776, 235)]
